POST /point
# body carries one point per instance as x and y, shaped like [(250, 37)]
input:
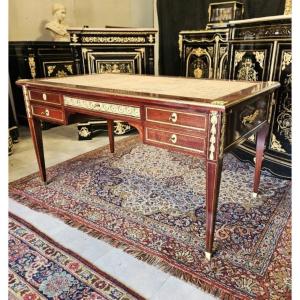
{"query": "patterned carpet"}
[(40, 268), (150, 203)]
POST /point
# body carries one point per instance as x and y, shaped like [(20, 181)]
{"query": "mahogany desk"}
[(205, 118)]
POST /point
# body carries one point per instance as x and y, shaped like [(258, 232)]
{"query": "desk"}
[(204, 118)]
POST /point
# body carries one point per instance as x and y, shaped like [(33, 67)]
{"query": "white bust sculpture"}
[(56, 27)]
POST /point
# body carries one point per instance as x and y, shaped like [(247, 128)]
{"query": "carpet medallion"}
[(151, 203), (40, 268)]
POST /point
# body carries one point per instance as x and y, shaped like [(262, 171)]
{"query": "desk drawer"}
[(177, 118), (49, 113), (45, 96), (175, 140)]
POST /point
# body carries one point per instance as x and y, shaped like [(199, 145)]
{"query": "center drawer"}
[(169, 139), (195, 121)]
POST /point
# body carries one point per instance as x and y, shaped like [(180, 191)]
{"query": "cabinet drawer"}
[(177, 118), (49, 113), (45, 96), (175, 140)]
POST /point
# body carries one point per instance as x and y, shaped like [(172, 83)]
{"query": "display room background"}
[(27, 19), (176, 15)]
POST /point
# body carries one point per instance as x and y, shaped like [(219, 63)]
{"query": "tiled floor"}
[(61, 143)]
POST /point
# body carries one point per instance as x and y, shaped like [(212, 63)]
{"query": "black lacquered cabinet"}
[(204, 53), (112, 50), (36, 60), (255, 50), (260, 49)]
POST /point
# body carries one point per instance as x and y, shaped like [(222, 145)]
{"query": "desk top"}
[(220, 93)]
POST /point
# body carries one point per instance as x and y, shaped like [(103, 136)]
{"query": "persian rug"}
[(151, 203), (40, 268)]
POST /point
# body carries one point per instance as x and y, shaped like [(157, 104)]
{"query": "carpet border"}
[(76, 256)]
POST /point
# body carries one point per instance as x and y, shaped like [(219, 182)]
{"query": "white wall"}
[(27, 18)]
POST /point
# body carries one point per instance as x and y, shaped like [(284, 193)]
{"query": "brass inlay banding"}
[(116, 109)]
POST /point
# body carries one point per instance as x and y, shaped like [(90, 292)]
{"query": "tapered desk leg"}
[(213, 179), (110, 126), (36, 134), (260, 145)]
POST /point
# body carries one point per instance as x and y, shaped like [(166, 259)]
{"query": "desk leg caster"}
[(208, 255)]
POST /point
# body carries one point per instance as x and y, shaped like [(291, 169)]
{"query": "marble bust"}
[(56, 27)]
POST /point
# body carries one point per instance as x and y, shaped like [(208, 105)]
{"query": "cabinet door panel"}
[(199, 61), (251, 61), (281, 130)]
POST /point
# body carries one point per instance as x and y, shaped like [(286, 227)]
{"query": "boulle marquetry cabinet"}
[(254, 50), (260, 50), (29, 60), (112, 50), (204, 53)]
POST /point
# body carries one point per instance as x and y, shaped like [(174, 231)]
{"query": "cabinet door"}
[(114, 60), (251, 61), (199, 60), (281, 126), (55, 60)]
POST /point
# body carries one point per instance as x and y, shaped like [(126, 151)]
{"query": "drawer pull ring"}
[(173, 138), (47, 113), (173, 117), (44, 96)]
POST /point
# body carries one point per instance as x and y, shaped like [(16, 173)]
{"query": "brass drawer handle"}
[(46, 112), (44, 96), (173, 138), (173, 117)]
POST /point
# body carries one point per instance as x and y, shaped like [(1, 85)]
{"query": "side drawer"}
[(49, 113), (196, 121), (175, 140), (45, 96)]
